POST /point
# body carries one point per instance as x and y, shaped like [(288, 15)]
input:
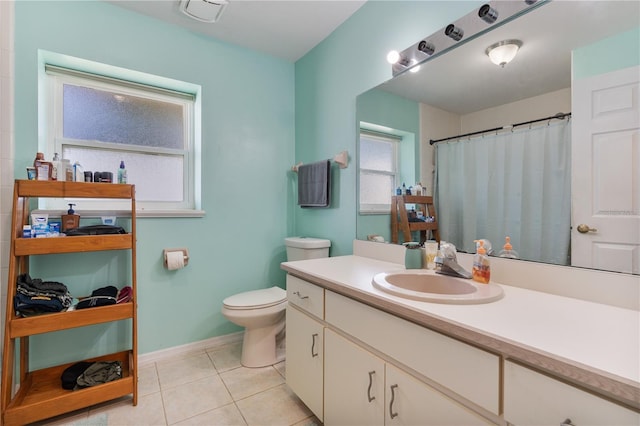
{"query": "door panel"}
[(606, 171)]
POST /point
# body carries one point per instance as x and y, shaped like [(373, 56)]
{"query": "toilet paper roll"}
[(175, 260)]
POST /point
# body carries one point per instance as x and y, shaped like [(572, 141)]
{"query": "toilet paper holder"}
[(184, 251)]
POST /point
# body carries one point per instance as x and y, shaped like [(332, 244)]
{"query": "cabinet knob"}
[(297, 293), (393, 397), (313, 345), (567, 422), (369, 397)]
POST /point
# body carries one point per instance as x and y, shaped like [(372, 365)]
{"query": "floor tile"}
[(274, 407), (178, 371), (149, 411), (226, 357), (281, 368), (194, 398), (309, 421), (244, 382), (148, 382), (229, 415)]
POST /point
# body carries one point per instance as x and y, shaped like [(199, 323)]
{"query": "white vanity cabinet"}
[(532, 398), (305, 342), (466, 371), (363, 389), (354, 383)]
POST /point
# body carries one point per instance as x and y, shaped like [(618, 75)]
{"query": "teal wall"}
[(613, 53), (247, 148), (349, 62)]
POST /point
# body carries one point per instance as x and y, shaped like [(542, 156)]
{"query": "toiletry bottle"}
[(122, 173), (70, 220), (404, 188), (507, 250), (481, 265), (38, 159), (56, 166)]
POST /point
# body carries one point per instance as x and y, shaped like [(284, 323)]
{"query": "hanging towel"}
[(314, 183)]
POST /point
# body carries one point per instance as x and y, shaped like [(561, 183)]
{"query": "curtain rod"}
[(559, 116)]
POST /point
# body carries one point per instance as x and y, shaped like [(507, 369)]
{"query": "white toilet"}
[(262, 312)]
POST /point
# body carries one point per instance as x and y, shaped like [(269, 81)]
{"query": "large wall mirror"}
[(535, 182)]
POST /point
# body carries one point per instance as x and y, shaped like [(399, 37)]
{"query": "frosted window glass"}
[(92, 114), (376, 154), (157, 177), (376, 188)]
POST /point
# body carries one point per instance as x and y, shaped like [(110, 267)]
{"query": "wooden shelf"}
[(77, 244), (52, 189), (41, 392), (47, 323)]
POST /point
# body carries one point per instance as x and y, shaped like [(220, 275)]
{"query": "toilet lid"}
[(256, 298)]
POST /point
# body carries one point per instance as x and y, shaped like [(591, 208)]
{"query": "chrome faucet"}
[(447, 262)]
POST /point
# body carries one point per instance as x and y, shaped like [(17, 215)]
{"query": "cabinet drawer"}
[(305, 295), (468, 371), (531, 398)]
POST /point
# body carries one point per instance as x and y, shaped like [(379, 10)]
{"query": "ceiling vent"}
[(203, 10)]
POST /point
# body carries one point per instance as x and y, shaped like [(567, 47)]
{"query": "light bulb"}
[(393, 57)]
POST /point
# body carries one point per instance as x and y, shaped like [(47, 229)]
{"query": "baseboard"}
[(189, 348)]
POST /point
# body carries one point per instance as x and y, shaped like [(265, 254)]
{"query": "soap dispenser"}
[(507, 250), (70, 220), (481, 265)]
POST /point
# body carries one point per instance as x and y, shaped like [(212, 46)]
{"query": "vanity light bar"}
[(470, 26)]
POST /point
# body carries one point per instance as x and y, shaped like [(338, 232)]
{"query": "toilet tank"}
[(301, 248)]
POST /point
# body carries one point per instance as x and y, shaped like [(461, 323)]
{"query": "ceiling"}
[(284, 29), (464, 80)]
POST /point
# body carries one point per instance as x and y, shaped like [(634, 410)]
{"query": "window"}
[(99, 121), (378, 171)]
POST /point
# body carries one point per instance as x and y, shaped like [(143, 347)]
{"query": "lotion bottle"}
[(481, 265), (70, 220), (507, 250)]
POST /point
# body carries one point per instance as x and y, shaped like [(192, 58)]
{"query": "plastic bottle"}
[(507, 250), (56, 166), (404, 188), (122, 173), (481, 265)]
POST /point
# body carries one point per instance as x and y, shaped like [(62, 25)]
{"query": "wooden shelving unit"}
[(400, 217), (40, 394)]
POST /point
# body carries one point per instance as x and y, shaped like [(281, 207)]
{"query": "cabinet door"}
[(354, 384), (304, 347), (411, 402), (531, 398)]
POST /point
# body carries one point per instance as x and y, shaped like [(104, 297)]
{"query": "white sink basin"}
[(427, 286)]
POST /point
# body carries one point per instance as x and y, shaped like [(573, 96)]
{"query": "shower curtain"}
[(515, 184)]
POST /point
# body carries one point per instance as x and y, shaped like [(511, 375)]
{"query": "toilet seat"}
[(256, 299)]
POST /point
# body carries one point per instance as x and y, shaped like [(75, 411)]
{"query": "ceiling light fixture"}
[(503, 52), (203, 10), (454, 32), (488, 14), (393, 57), (426, 47)]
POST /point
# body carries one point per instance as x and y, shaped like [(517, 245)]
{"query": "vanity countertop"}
[(593, 345)]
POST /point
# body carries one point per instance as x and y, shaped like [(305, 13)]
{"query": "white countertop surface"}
[(585, 341)]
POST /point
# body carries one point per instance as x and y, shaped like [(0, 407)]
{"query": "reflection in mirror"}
[(525, 182)]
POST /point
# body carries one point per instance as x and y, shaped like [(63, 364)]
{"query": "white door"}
[(305, 354), (410, 402), (353, 384), (605, 186)]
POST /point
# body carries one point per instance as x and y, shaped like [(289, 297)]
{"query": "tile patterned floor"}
[(206, 388)]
